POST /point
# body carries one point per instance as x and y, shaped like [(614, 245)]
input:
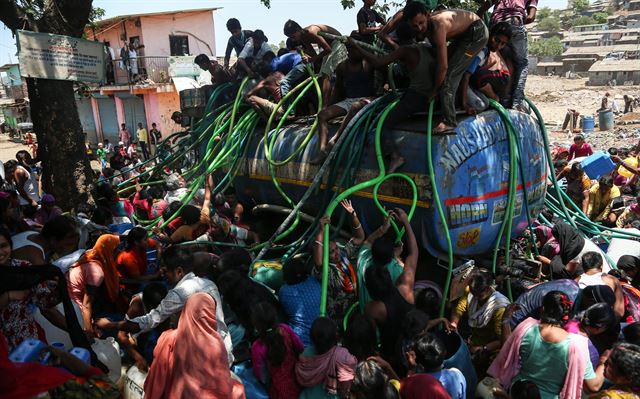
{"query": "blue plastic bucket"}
[(588, 124), (597, 164), (605, 119)]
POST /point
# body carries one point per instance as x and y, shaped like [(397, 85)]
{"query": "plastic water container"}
[(458, 356), (108, 352), (29, 350), (82, 354), (253, 389), (605, 119), (588, 124), (597, 165), (53, 333), (134, 383), (120, 228)]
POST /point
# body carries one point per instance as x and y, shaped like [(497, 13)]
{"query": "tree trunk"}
[(66, 169)]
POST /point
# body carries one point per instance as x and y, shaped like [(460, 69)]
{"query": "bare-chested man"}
[(467, 34), (332, 53)]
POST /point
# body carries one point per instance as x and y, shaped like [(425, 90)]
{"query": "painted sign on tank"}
[(472, 170)]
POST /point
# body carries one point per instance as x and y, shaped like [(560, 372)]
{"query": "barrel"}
[(588, 124), (605, 119)]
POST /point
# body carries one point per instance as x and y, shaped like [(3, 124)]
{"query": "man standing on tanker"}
[(517, 13), (467, 35)]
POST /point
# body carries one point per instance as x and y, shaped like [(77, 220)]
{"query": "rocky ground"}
[(553, 95)]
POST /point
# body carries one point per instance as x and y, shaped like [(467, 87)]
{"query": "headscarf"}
[(571, 244), (570, 240), (191, 361), (103, 253), (628, 262), (26, 380), (335, 365)]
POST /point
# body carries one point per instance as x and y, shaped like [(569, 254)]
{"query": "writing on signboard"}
[(47, 56)]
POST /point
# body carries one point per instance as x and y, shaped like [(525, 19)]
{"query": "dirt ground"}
[(553, 95)]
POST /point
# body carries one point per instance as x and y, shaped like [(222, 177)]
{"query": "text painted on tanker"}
[(471, 140), (465, 214)]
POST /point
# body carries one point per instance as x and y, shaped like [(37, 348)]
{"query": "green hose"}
[(440, 210)]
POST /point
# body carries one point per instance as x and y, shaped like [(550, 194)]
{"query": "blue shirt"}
[(285, 62), (301, 303), (453, 381)]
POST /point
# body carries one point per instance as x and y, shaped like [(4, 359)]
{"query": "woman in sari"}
[(95, 269), (191, 361), (484, 307), (544, 353)]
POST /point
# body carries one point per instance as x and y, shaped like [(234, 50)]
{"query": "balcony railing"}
[(149, 69)]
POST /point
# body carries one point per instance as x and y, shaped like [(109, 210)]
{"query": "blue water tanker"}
[(471, 170)]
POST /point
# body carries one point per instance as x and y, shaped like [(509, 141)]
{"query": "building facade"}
[(139, 87)]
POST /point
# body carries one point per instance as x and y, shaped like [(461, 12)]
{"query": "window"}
[(179, 45)]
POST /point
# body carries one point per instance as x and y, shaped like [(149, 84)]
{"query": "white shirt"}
[(175, 301), (247, 51), (30, 187)]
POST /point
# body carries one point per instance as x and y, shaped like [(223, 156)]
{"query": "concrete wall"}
[(156, 31), (602, 78), (114, 36), (167, 104), (579, 65)]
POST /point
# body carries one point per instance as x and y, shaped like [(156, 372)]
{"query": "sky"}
[(251, 13)]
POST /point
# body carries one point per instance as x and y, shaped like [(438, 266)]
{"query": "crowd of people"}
[(447, 55), (176, 286)]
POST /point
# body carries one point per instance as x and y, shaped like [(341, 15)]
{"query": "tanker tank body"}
[(471, 170)]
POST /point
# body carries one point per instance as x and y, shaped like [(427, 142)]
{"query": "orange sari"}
[(103, 253)]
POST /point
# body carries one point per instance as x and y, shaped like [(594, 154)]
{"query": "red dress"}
[(282, 378), (16, 319)]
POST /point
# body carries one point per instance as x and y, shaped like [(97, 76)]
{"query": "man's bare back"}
[(453, 22), (315, 29)]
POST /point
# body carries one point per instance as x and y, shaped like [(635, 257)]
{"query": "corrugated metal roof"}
[(549, 64), (615, 66), (600, 50)]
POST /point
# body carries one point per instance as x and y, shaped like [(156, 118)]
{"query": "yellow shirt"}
[(143, 135), (599, 203)]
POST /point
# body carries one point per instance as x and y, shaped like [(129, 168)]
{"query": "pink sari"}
[(191, 361), (507, 365)]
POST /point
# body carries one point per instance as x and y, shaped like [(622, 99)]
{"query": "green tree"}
[(66, 172), (580, 5), (384, 6), (544, 12), (600, 17), (550, 24), (546, 47), (583, 20)]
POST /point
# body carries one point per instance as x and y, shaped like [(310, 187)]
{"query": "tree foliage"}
[(582, 20), (550, 24), (385, 6), (543, 13), (600, 17), (580, 5), (546, 47)]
